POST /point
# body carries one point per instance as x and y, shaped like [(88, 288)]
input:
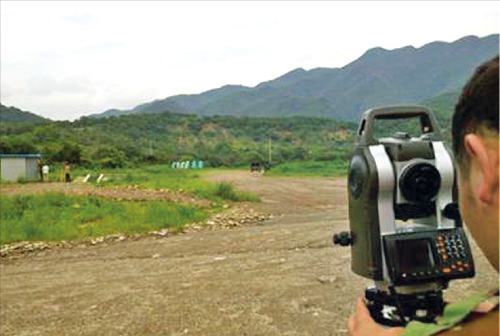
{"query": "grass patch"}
[(178, 180), (336, 168), (226, 191), (55, 217)]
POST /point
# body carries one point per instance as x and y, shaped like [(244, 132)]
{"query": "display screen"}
[(414, 255)]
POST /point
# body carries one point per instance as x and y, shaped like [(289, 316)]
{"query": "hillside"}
[(164, 137), (379, 77), (12, 114)]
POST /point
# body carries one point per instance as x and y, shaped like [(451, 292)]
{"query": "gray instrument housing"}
[(377, 201)]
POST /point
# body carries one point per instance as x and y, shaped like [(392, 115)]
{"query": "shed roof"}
[(21, 156)]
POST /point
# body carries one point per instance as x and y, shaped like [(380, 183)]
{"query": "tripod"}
[(395, 309)]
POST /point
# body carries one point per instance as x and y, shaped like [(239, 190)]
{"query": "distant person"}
[(67, 170), (45, 173), (476, 151)]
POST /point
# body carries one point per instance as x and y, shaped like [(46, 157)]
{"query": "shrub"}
[(226, 191)]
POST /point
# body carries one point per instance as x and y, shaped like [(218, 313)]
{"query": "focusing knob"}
[(451, 211), (343, 238)]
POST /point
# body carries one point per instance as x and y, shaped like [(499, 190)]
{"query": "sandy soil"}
[(278, 277)]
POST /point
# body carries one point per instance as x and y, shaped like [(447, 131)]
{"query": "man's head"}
[(475, 146)]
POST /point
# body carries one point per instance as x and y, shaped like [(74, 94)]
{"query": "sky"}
[(64, 60)]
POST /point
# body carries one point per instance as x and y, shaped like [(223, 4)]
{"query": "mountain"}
[(14, 114), (181, 103), (406, 75)]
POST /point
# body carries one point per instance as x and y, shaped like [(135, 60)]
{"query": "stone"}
[(326, 279)]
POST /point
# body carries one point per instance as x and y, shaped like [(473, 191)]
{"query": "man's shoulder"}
[(482, 324)]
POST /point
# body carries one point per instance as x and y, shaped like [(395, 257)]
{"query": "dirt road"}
[(278, 277)]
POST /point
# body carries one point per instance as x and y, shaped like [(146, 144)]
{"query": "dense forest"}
[(220, 141), (164, 137)]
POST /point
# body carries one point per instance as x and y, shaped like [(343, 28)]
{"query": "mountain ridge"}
[(380, 76)]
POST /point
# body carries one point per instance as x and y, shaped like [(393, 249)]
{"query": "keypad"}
[(453, 256)]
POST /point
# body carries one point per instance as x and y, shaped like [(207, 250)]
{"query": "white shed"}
[(15, 166)]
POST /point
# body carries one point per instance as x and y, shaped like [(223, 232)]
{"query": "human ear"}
[(480, 158)]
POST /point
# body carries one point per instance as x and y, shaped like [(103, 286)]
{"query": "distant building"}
[(15, 166)]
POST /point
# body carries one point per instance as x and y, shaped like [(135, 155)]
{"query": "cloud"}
[(81, 19), (65, 86)]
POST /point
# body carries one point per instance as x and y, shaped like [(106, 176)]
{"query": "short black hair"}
[(477, 107)]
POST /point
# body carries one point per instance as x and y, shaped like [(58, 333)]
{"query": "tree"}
[(109, 157), (17, 145), (69, 152)]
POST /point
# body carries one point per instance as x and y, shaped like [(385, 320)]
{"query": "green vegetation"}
[(54, 217), (336, 168), (225, 190), (160, 138), (12, 114), (177, 180), (132, 140)]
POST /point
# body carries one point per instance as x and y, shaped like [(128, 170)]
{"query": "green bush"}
[(226, 191)]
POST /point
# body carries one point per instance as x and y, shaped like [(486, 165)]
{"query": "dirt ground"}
[(277, 277)]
